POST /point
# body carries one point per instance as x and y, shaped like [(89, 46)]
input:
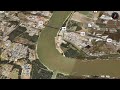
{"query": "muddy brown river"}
[(52, 59)]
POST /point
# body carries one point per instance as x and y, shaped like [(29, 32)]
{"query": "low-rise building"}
[(32, 31), (26, 69), (104, 17), (14, 52), (18, 51), (32, 55), (6, 69), (75, 39)]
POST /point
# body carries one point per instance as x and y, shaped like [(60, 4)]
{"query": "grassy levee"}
[(51, 58)]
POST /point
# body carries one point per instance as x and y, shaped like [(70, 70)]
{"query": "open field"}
[(80, 18)]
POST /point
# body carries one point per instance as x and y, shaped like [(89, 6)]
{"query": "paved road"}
[(51, 58)]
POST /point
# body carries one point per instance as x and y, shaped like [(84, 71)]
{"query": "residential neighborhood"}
[(19, 32), (59, 44)]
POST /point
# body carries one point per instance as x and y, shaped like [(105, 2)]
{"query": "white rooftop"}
[(1, 11), (106, 17)]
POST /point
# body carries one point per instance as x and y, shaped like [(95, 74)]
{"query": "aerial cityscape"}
[(59, 45)]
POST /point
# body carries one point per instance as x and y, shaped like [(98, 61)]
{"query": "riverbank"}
[(52, 59)]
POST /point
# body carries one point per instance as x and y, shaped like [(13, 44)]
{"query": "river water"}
[(51, 58)]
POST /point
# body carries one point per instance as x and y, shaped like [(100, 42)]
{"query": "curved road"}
[(51, 58)]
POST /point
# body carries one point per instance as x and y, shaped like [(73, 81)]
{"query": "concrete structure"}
[(106, 17), (26, 69), (32, 55), (18, 51), (6, 68)]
